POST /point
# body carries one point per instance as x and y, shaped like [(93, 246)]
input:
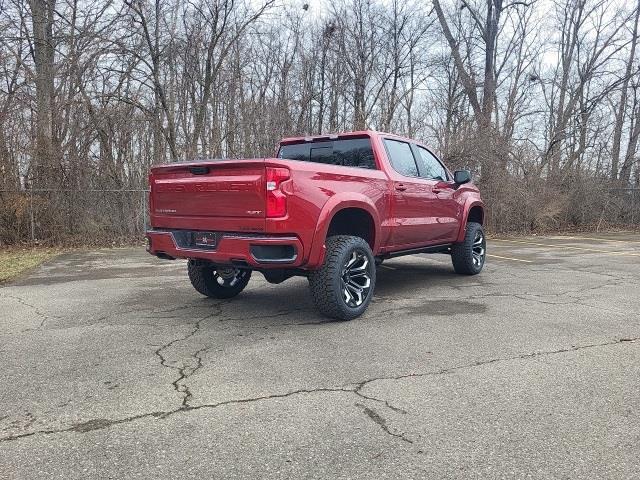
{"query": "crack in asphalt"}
[(43, 317), (479, 363), (102, 320), (379, 420), (570, 301), (386, 403), (265, 397), (180, 382), (186, 370), (158, 312), (616, 275), (102, 423), (255, 317), (352, 388), (533, 297), (83, 427)]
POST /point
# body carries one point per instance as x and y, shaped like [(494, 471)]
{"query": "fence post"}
[(33, 223), (633, 206), (144, 212)]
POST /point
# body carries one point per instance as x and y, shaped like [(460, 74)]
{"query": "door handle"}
[(400, 187), (440, 188)]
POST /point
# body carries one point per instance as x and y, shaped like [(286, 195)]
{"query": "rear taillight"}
[(276, 198)]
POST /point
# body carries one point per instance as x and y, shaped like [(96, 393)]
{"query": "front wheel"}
[(217, 282), (469, 255), (343, 287)]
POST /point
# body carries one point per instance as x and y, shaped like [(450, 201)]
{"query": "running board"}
[(445, 248)]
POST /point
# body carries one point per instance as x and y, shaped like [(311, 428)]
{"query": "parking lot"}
[(112, 366)]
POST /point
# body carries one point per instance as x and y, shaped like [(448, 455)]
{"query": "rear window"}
[(354, 152)]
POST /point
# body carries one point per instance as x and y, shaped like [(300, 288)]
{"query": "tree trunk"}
[(42, 12), (617, 132)]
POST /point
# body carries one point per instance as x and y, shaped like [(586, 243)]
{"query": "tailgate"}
[(216, 189)]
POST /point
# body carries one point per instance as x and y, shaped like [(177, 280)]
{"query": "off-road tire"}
[(462, 254), (326, 283), (205, 279)]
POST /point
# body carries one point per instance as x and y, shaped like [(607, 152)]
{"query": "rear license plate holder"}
[(208, 240)]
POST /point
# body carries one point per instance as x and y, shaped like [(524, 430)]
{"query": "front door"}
[(444, 210)]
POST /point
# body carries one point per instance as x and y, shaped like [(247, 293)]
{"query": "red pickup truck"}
[(328, 207)]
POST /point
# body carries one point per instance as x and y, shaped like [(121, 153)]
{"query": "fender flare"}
[(469, 204), (331, 207)]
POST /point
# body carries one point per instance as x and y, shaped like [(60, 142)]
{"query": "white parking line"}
[(510, 258), (569, 247), (559, 237)]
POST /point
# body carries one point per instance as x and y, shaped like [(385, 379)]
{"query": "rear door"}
[(222, 195)]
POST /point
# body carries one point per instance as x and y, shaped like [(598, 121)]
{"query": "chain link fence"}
[(622, 207), (111, 216), (82, 216)]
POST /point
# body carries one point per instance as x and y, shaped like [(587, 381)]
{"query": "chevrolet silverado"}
[(329, 207)]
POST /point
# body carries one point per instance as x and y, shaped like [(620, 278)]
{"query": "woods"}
[(540, 99)]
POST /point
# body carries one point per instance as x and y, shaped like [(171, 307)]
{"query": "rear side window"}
[(354, 152), (401, 157), (430, 166)]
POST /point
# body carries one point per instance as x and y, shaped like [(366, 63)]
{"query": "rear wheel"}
[(217, 282), (343, 287), (468, 257)]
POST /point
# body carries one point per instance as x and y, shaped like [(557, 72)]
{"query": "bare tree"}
[(92, 93), (42, 19), (622, 107)]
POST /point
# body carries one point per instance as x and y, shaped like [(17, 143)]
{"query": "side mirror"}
[(461, 176)]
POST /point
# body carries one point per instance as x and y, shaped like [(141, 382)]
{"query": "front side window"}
[(352, 152), (401, 157), (429, 166)]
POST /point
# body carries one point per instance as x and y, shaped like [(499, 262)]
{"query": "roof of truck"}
[(330, 136)]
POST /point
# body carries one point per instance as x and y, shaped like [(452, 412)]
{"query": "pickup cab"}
[(330, 208)]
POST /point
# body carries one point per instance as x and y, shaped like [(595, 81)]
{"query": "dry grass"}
[(15, 261)]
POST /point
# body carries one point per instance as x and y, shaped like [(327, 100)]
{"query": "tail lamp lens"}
[(276, 198)]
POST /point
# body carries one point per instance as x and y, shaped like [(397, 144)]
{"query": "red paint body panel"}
[(230, 196), (226, 189)]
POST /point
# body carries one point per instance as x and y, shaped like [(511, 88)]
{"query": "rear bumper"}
[(258, 251)]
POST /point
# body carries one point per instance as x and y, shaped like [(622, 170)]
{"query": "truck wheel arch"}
[(330, 211), (474, 211), (475, 214)]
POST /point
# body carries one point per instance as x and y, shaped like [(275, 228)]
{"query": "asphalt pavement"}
[(112, 366)]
